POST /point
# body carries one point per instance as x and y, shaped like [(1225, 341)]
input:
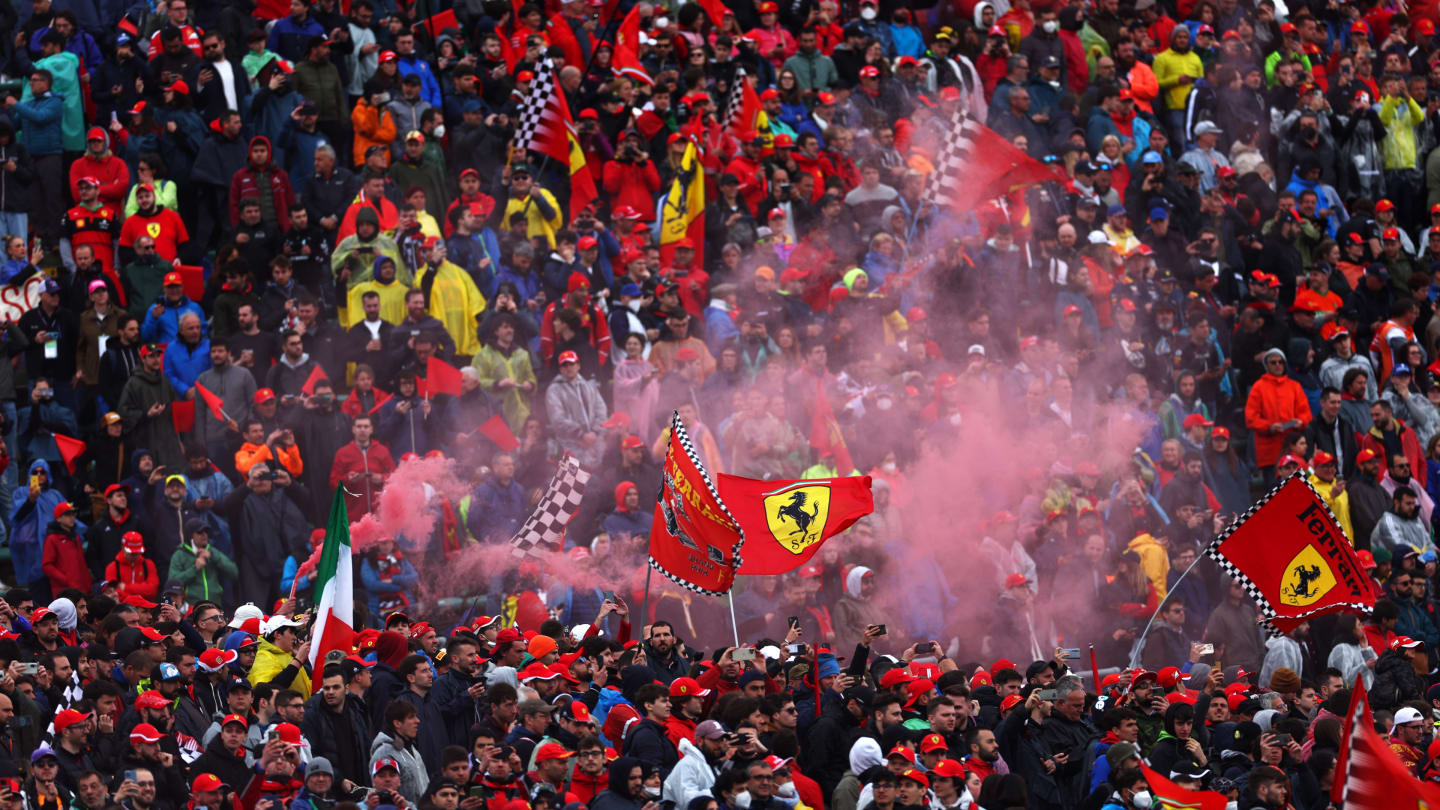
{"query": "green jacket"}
[(202, 584), (427, 175), (814, 71), (321, 84)]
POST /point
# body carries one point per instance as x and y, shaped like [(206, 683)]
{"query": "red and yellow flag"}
[(785, 522)]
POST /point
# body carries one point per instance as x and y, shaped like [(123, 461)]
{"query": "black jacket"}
[(231, 768), (319, 727), (650, 744)]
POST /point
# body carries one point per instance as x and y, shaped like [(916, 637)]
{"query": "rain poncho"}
[(28, 520), (454, 300)]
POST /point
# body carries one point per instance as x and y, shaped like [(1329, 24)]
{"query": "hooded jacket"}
[(139, 578), (269, 184), (142, 390), (692, 776), (617, 796), (1273, 399), (202, 584), (110, 170), (29, 521), (413, 776), (64, 559)]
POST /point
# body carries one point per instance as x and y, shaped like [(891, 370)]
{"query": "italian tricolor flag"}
[(334, 587)]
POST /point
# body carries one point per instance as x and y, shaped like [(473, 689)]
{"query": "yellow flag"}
[(684, 203)]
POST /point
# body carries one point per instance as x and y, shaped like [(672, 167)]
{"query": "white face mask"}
[(1050, 26), (955, 419), (884, 403), (1141, 800), (662, 22), (867, 12), (439, 130), (888, 466), (652, 792)]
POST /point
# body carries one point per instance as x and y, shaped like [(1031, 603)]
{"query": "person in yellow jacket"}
[(282, 657), (1326, 481), (542, 213), (1400, 114), (388, 283), (1154, 560), (1176, 70), (451, 297)]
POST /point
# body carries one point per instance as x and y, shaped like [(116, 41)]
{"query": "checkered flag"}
[(532, 112), (735, 99), (544, 530), (69, 696), (946, 184)]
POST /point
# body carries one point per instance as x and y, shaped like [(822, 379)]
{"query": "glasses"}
[(47, 763), (789, 710)]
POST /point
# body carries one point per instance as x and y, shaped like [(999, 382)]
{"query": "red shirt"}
[(164, 226)]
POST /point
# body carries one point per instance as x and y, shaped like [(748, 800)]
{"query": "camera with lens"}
[(271, 476), (45, 395)]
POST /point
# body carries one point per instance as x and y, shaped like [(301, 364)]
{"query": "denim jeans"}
[(16, 223)]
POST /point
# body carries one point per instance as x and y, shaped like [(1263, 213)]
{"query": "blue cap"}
[(1115, 211), (122, 39), (1158, 213), (631, 290), (51, 286), (1151, 157), (1401, 368), (1428, 555), (471, 105), (828, 665), (169, 672)]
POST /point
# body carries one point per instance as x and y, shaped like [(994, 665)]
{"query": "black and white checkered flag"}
[(735, 99), (533, 110), (69, 696), (946, 183), (544, 530)]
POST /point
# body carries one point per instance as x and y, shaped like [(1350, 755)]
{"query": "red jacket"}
[(1409, 444), (752, 180), (678, 728), (111, 171), (586, 787), (64, 560), (633, 185), (361, 496), (141, 579), (250, 182)]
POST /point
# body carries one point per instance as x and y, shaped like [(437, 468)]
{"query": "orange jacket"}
[(1274, 399), (251, 454), (374, 126)]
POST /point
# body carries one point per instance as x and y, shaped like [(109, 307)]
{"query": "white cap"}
[(771, 652), (246, 611), (1099, 238), (1406, 714), (976, 348), (275, 623)]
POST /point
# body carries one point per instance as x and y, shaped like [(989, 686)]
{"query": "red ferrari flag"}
[(1293, 558), (1368, 774), (1172, 795), (694, 540), (786, 521)]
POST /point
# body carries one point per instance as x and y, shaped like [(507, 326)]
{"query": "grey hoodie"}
[(413, 776)]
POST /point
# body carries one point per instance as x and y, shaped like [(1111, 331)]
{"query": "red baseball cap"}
[(174, 279), (289, 734), (869, 72), (550, 751), (145, 733), (389, 56), (687, 688), (62, 508), (207, 782), (568, 357), (234, 718), (933, 742), (263, 395), (69, 717)]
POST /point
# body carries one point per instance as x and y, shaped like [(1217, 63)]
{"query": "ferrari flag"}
[(1293, 558), (1173, 796), (694, 539), (786, 521), (1368, 773)]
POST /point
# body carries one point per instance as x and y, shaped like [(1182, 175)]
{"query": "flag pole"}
[(735, 628), (1140, 642), (645, 600)]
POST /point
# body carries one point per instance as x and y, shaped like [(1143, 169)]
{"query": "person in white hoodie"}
[(700, 761)]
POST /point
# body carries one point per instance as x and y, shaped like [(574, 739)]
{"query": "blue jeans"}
[(16, 223)]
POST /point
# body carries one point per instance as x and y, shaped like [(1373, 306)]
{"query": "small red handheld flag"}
[(441, 378), (70, 449), (217, 408), (498, 432), (316, 375), (1172, 795)]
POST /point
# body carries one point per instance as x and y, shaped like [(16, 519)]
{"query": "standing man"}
[(362, 465)]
